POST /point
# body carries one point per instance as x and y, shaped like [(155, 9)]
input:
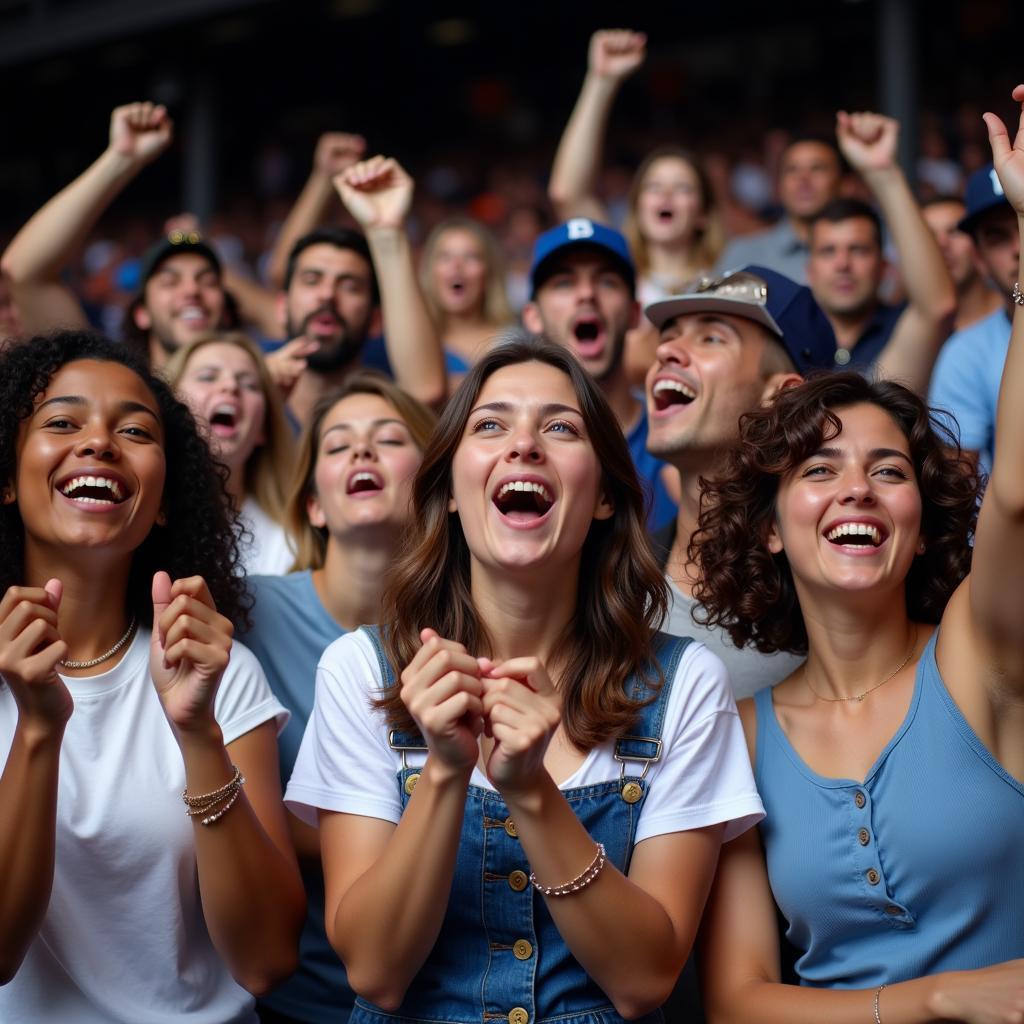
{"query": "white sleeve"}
[(244, 699), (704, 775), (345, 763)]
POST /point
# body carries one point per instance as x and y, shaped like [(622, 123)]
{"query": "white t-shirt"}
[(124, 939), (703, 776), (268, 552)]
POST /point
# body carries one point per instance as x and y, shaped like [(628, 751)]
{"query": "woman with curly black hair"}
[(891, 764), (120, 715)]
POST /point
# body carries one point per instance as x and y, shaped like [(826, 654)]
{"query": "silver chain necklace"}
[(69, 663)]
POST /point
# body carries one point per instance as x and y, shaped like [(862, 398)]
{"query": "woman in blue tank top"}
[(525, 826), (891, 764)]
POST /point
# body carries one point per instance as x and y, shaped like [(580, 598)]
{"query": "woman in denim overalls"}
[(537, 714)]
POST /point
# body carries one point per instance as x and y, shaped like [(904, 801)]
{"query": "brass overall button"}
[(631, 792), (510, 828), (410, 783), (517, 1015), (518, 880), (522, 950)]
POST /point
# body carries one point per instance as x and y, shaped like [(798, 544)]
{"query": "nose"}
[(98, 442), (363, 449), (524, 446), (856, 488), (673, 352)]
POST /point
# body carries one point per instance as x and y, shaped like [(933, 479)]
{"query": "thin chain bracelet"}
[(224, 810), (579, 882), (878, 1015), (205, 799), (1017, 295)]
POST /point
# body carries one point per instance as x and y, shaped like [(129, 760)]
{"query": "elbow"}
[(9, 965), (261, 979), (638, 1000), (369, 983), (9, 268)]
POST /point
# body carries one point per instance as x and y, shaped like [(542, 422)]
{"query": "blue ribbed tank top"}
[(917, 869)]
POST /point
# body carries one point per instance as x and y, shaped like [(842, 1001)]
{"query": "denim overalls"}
[(499, 956)]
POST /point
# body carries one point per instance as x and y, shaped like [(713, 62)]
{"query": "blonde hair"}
[(268, 466), (310, 542), (709, 239), (496, 308)]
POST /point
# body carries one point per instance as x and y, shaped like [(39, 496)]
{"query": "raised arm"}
[(868, 141), (35, 259), (996, 596), (335, 152), (249, 882), (613, 56), (378, 194), (30, 648)]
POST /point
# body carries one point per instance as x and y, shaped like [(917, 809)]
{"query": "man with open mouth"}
[(582, 296), (728, 345)]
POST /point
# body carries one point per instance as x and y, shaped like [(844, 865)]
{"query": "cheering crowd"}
[(379, 646)]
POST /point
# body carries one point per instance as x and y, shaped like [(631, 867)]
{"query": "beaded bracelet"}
[(202, 806), (878, 1015), (1017, 295), (581, 881)]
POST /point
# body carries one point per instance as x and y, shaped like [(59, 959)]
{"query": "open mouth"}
[(193, 315), (858, 535), (665, 216), (669, 391), (523, 501), (224, 419), (364, 482), (589, 335), (93, 490)]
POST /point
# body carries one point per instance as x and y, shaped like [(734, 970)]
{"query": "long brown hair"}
[(311, 543), (621, 594), (709, 240)]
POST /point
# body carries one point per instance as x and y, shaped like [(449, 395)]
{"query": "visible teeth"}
[(92, 481), (856, 529), (525, 485), (192, 313), (670, 384), (224, 410), (359, 477)]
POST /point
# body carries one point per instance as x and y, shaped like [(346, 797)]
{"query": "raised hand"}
[(991, 995), (190, 649), (336, 152), (522, 711), (868, 141), (1007, 157), (441, 687), (287, 363), (140, 131), (186, 223), (30, 650), (377, 192), (616, 53)]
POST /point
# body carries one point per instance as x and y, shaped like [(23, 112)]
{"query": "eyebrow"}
[(873, 455), (374, 424), (126, 406), (551, 408)]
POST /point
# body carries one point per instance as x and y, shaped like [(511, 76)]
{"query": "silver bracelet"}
[(878, 1015), (581, 881), (1017, 295)]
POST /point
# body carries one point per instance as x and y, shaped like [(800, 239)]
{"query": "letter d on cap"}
[(579, 227)]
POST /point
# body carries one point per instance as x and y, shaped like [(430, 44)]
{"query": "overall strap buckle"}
[(403, 742)]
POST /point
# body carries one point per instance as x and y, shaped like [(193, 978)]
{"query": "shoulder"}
[(700, 686), (353, 657)]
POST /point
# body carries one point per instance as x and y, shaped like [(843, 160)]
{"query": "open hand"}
[(336, 152), (522, 710), (1007, 157), (30, 650), (616, 53), (377, 192), (140, 131), (190, 649)]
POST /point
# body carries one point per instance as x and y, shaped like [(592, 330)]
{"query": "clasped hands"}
[(456, 698)]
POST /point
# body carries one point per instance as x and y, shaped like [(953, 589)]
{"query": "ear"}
[(8, 494), (161, 517), (774, 539), (142, 318), (604, 509), (452, 506), (777, 382), (315, 512), (922, 546), (531, 318)]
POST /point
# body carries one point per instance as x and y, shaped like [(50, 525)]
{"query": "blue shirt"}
[(291, 629), (873, 338), (777, 248), (966, 382), (916, 870), (661, 508)]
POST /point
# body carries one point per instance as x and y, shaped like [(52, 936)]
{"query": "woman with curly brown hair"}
[(892, 763), (147, 869), (526, 823)]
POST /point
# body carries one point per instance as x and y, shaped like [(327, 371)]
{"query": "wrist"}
[(600, 82), (525, 798), (40, 735), (204, 734), (444, 776), (120, 164), (390, 235)]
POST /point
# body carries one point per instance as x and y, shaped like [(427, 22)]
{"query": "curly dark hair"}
[(199, 537), (621, 592), (748, 591)]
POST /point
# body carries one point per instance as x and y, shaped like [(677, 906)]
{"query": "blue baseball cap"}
[(984, 192), (579, 233), (787, 309)]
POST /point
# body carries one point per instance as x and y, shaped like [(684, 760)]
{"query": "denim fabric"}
[(473, 975)]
